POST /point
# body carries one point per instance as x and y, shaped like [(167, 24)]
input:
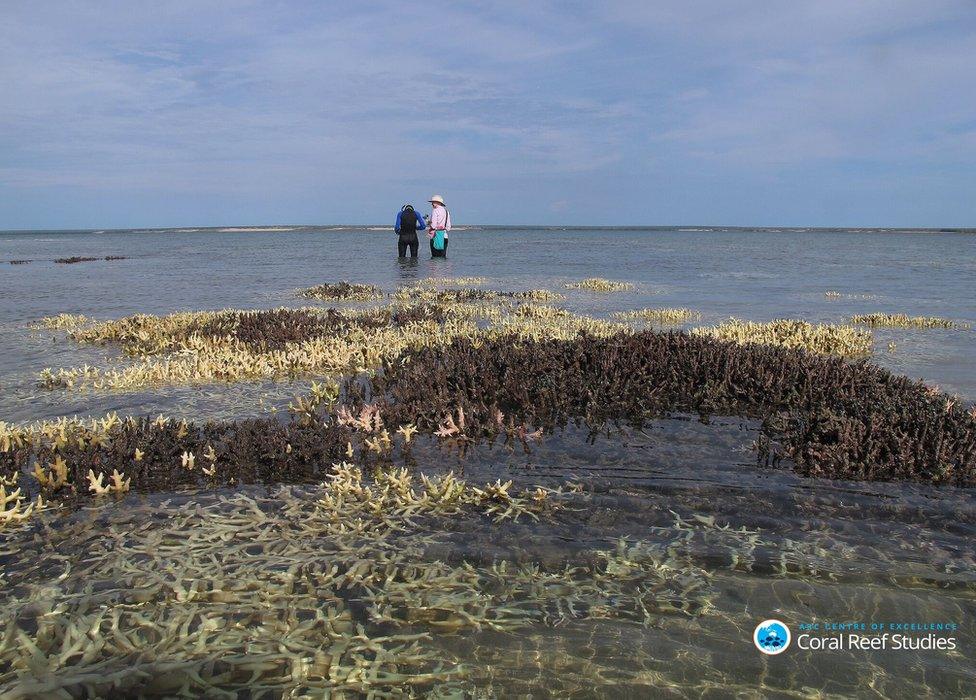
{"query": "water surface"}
[(745, 541)]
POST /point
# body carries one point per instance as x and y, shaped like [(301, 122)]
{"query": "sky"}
[(629, 112)]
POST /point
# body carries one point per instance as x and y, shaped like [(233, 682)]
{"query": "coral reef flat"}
[(282, 473)]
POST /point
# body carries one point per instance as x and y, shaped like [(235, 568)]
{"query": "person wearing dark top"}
[(408, 222)]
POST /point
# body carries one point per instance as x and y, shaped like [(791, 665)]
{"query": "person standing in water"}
[(408, 222), (438, 226)]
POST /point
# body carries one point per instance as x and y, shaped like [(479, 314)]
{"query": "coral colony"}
[(328, 580), (880, 320)]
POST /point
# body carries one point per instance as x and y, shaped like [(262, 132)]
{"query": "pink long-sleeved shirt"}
[(439, 219)]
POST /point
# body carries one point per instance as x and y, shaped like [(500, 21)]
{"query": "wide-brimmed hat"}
[(436, 199)]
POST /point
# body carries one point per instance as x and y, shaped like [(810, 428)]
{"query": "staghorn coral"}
[(62, 322), (246, 345), (671, 317), (12, 508), (598, 284), (162, 453), (232, 345), (826, 339), (422, 293), (540, 311), (881, 320), (456, 281), (342, 291), (396, 493), (834, 418), (329, 590), (538, 295), (117, 483)]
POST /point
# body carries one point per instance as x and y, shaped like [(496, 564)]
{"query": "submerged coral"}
[(337, 589)]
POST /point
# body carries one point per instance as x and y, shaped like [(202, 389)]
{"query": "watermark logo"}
[(771, 637)]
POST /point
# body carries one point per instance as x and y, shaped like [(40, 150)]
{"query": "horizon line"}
[(691, 228)]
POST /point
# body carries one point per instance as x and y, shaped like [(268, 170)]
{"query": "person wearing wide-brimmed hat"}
[(438, 226)]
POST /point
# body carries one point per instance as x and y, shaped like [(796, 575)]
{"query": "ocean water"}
[(746, 543), (754, 275)]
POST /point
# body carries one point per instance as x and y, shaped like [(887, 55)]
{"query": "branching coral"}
[(230, 345), (234, 345), (12, 509), (834, 418), (342, 291), (453, 281), (62, 322), (598, 284), (825, 339), (330, 590), (670, 317), (881, 320)]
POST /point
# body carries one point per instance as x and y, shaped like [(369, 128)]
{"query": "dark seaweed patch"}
[(78, 259), (72, 260)]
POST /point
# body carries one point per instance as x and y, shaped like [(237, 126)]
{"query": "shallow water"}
[(739, 542), (757, 275)]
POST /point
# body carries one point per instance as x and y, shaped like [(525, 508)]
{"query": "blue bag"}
[(439, 239)]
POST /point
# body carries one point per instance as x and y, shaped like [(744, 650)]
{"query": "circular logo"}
[(771, 637)]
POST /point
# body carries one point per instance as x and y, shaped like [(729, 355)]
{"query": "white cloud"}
[(268, 99)]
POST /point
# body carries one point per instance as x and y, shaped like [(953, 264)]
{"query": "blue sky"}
[(818, 113)]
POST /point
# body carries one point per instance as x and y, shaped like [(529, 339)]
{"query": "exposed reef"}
[(832, 417), (234, 345), (882, 320), (662, 317), (62, 322), (342, 291), (822, 338), (598, 284)]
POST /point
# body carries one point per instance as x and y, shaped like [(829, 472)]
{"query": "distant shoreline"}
[(283, 228)]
